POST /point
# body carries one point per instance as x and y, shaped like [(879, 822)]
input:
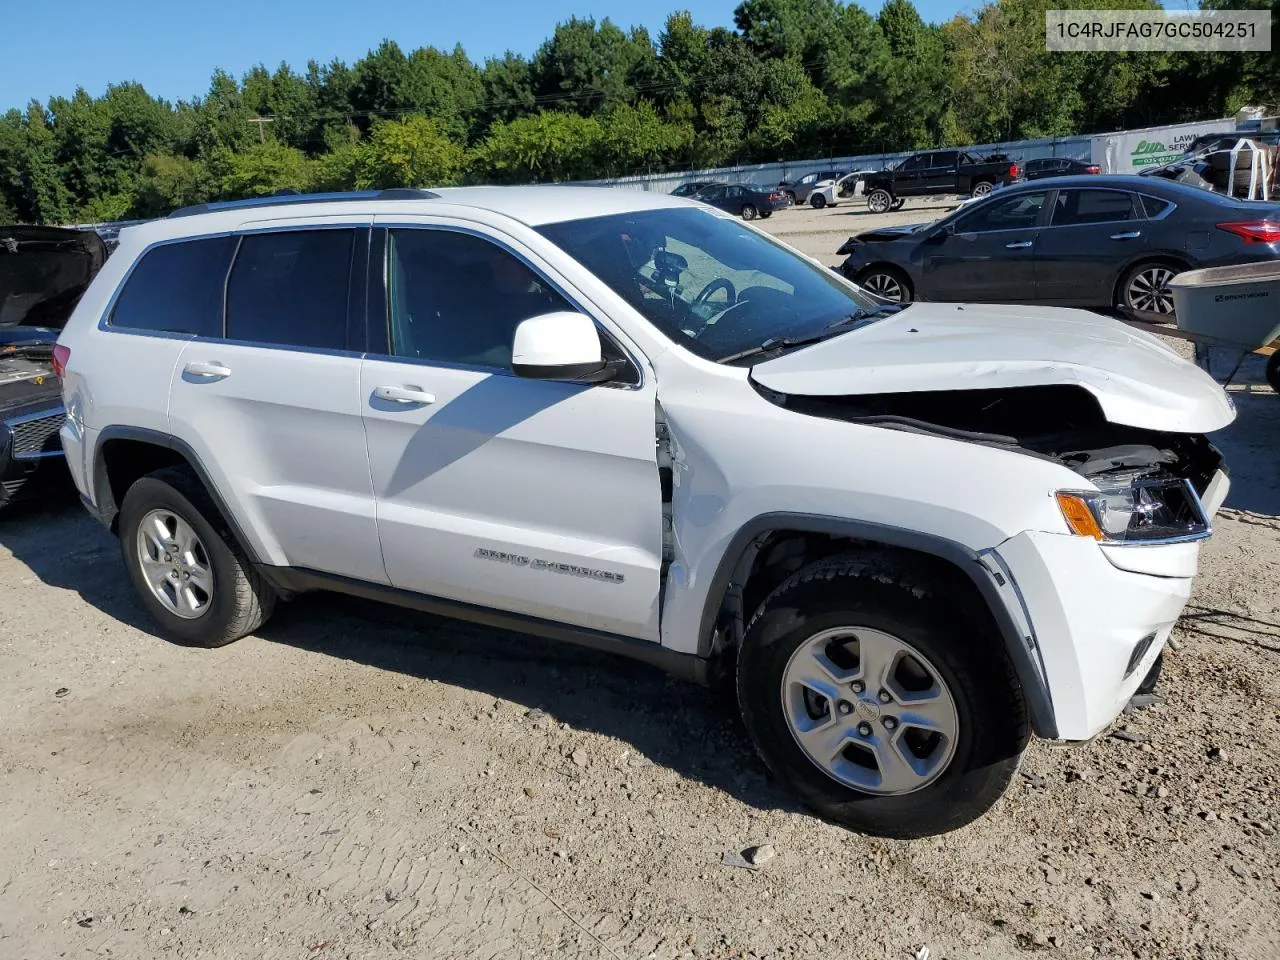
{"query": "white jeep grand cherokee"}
[(915, 536)]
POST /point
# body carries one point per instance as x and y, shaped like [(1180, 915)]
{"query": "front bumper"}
[(31, 458), (1098, 626)]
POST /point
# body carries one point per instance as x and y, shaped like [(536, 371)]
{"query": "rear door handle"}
[(1131, 235), (1020, 245), (404, 395), (207, 370)]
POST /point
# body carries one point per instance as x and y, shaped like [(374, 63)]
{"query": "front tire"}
[(871, 688), (749, 212), (886, 283), (879, 201), (189, 571)]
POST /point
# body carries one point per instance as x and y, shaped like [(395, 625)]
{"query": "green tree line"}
[(795, 79)]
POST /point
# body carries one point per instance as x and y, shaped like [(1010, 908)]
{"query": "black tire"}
[(879, 201), (880, 591), (888, 283), (1273, 371), (899, 203), (791, 197), (241, 600), (982, 188), (749, 211), (766, 214), (817, 201)]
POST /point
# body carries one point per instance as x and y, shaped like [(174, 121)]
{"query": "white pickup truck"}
[(912, 537)]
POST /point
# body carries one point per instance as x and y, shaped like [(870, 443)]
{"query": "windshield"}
[(707, 282)]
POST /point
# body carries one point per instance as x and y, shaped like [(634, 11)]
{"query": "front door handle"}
[(1019, 245), (404, 395), (1131, 235), (207, 370)]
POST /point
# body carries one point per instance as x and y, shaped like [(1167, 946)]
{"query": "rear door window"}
[(177, 288), (290, 288), (1075, 207), (944, 158)]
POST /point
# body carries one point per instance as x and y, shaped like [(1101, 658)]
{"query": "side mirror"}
[(559, 346)]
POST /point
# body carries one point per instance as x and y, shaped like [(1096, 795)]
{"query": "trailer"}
[(1235, 309)]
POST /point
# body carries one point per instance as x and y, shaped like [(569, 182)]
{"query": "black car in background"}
[(746, 200), (692, 187), (43, 273), (1044, 167), (936, 173), (1090, 241)]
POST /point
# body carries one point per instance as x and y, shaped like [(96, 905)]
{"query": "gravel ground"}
[(361, 782)]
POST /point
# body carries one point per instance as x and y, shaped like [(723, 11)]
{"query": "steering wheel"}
[(720, 283)]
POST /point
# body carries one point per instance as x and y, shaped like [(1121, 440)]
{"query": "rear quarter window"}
[(176, 288)]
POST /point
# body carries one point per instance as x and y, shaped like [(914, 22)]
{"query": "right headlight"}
[(1136, 510)]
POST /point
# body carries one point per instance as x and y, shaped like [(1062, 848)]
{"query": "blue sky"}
[(172, 47)]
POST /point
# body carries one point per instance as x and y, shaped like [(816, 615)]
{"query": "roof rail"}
[(283, 198)]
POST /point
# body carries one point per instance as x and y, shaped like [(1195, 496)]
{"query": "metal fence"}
[(771, 173), (1095, 148)]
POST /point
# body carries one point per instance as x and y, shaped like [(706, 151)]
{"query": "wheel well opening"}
[(121, 462), (775, 555)]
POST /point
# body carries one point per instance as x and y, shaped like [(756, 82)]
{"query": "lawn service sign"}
[(1135, 150)]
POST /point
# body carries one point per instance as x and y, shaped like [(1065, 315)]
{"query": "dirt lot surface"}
[(358, 782)]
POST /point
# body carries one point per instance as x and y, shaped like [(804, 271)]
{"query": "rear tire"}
[(982, 188), (749, 212), (1144, 288), (899, 203), (879, 201), (1273, 371), (917, 642), (817, 201), (234, 599)]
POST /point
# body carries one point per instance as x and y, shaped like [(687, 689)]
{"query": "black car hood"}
[(882, 235), (43, 273)]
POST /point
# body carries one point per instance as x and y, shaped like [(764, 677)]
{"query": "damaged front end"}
[(1145, 485)]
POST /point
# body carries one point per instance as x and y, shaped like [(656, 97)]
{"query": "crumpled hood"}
[(1137, 380)]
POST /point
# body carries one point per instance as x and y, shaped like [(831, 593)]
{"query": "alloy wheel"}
[(1149, 291), (981, 189), (175, 564), (870, 710), (885, 286)]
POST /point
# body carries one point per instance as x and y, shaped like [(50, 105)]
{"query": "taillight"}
[(1254, 231), (61, 354), (1013, 169), (1092, 169)]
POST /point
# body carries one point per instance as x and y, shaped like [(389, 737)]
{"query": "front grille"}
[(38, 436)]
